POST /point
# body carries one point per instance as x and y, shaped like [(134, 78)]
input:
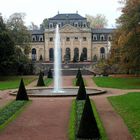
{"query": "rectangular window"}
[(84, 39), (76, 38), (67, 39), (51, 39)]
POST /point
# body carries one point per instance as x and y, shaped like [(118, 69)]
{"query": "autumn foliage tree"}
[(125, 46)]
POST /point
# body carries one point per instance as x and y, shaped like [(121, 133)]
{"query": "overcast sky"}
[(37, 10)]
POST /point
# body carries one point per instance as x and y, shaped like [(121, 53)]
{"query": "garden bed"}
[(75, 117), (10, 112)]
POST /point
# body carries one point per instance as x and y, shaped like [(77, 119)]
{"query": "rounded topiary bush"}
[(40, 80), (22, 94), (88, 128)]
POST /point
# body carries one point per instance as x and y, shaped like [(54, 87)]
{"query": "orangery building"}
[(79, 42)]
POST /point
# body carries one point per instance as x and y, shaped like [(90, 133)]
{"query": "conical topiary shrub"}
[(88, 128), (78, 73), (81, 91), (22, 94), (79, 79), (50, 75), (40, 80)]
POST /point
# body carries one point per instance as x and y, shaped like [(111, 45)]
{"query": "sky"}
[(37, 10)]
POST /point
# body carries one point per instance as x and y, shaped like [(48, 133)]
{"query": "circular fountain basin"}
[(67, 92)]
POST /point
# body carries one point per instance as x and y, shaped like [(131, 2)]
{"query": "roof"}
[(73, 16), (103, 30), (37, 31)]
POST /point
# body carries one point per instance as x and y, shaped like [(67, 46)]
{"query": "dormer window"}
[(109, 37), (102, 37), (33, 38), (84, 25), (76, 24), (40, 38), (59, 25), (50, 25), (94, 37)]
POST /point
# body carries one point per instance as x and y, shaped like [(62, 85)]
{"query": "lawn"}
[(11, 82), (74, 82), (128, 106), (120, 83), (48, 81), (75, 117)]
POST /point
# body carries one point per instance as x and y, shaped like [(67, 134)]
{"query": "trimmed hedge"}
[(40, 81), (22, 94), (81, 95), (88, 126), (8, 112)]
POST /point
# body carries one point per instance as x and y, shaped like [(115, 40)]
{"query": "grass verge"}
[(120, 83), (75, 117), (72, 128), (11, 111), (128, 107)]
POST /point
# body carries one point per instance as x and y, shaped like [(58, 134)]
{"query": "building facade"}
[(79, 42)]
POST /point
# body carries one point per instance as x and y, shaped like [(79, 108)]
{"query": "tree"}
[(127, 39), (44, 24), (33, 26), (7, 50), (19, 32), (98, 21)]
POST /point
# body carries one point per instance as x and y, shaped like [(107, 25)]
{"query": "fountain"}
[(57, 63)]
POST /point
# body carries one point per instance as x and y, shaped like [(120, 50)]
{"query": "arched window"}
[(33, 54), (67, 55), (102, 37), (76, 55), (95, 58), (51, 54), (102, 52), (85, 53)]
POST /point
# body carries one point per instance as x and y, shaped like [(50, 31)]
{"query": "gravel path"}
[(113, 123), (44, 119)]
